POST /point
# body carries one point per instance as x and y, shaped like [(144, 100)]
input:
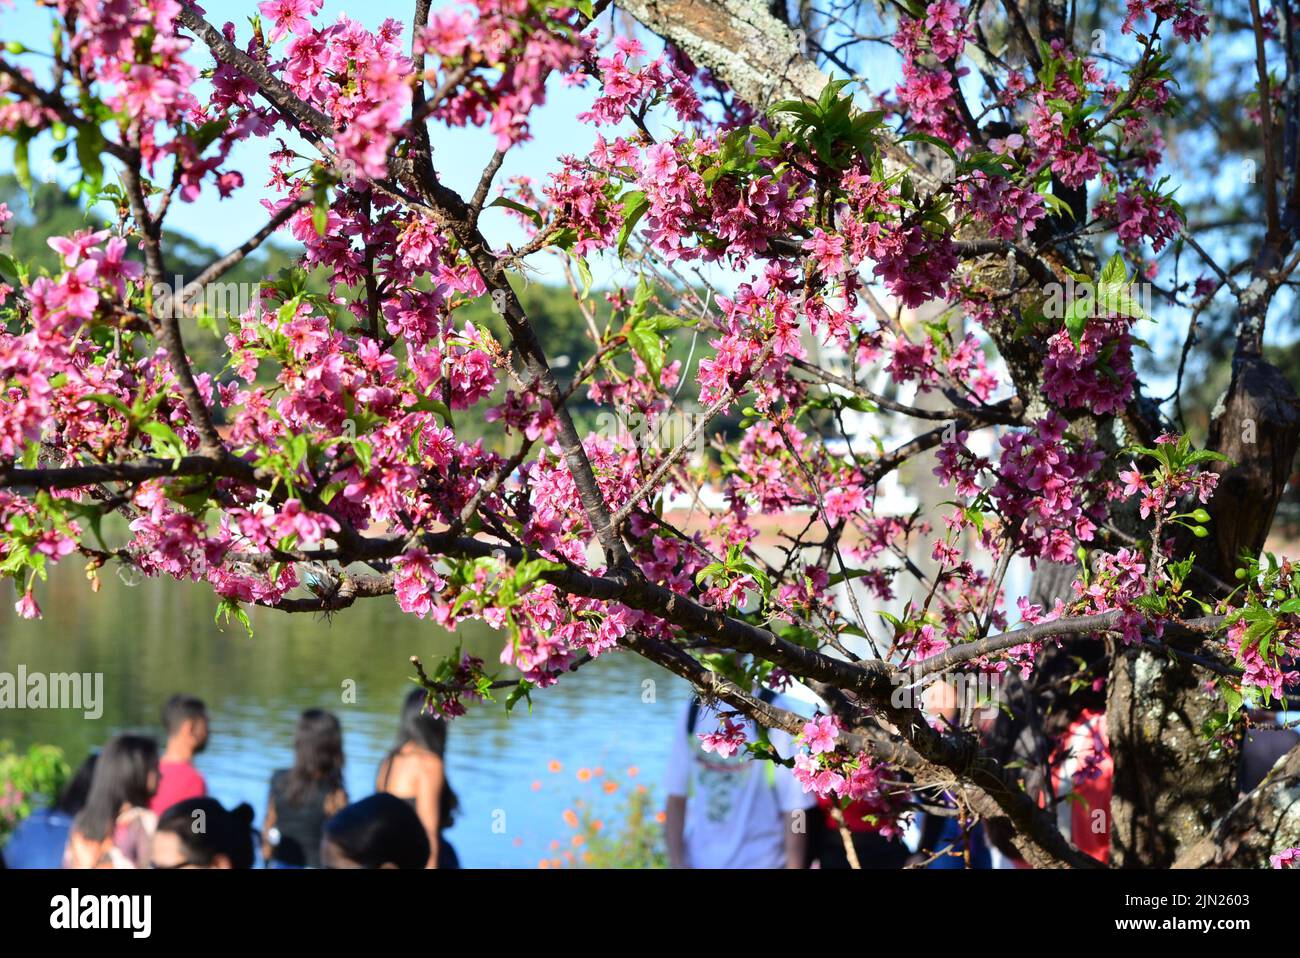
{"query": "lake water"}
[(155, 638)]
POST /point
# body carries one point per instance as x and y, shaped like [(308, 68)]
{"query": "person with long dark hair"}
[(415, 771), (114, 829), (381, 831), (305, 796)]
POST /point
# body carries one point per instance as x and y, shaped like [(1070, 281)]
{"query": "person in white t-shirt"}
[(733, 812)]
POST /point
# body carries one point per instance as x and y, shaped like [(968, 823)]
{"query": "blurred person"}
[(414, 771), (201, 833), (41, 837), (303, 797), (946, 842), (1270, 736), (1056, 714), (381, 831), (733, 811), (185, 719), (115, 827), (1083, 777), (848, 838)]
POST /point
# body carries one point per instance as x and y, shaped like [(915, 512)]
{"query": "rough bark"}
[(1259, 825), (1257, 426), (1171, 783), (738, 40)]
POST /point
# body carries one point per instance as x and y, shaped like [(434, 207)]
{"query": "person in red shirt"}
[(1083, 766), (186, 720), (859, 825)]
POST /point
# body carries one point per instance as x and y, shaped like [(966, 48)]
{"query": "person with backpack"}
[(732, 810)]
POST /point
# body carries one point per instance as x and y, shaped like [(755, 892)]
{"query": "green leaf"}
[(320, 217), (1233, 698), (584, 274), (22, 163), (528, 572), (932, 140), (297, 447), (837, 577), (1114, 273), (228, 607), (664, 323), (648, 346), (520, 691), (635, 204), (1121, 302), (89, 144), (1076, 318), (510, 204), (1057, 205), (436, 406), (166, 442), (207, 134), (106, 400), (361, 449), (709, 572)]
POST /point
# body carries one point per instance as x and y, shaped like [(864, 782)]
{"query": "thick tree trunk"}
[(741, 42), (1171, 782), (1256, 425)]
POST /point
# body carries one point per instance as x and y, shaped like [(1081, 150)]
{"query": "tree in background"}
[(376, 443)]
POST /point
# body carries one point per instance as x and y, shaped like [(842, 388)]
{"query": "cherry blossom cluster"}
[(825, 768)]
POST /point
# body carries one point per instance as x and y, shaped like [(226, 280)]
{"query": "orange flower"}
[(588, 858), (611, 787), (555, 843), (578, 840), (632, 771), (556, 863), (554, 765), (568, 856), (600, 770), (537, 786), (661, 817), (543, 864), (570, 818), (519, 842), (584, 774), (641, 789), (597, 825)]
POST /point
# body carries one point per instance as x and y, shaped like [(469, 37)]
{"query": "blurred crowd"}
[(130, 806)]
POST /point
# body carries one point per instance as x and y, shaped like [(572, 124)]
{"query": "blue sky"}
[(460, 154)]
